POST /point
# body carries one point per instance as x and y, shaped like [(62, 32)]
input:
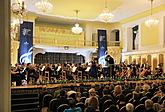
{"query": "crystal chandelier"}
[(77, 29), (44, 6), (106, 15), (151, 21), (19, 10)]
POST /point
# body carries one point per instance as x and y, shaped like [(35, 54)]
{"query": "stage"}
[(85, 83)]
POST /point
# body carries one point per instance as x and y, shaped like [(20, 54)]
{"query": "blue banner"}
[(102, 46), (26, 42)]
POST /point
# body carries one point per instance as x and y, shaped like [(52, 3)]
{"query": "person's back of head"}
[(146, 87), (117, 89), (93, 102), (92, 92), (62, 93), (72, 103), (137, 89), (148, 104), (162, 110), (156, 107), (129, 107), (106, 92)]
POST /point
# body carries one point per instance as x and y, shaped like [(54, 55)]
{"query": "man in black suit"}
[(110, 61)]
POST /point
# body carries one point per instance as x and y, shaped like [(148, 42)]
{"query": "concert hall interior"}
[(82, 56)]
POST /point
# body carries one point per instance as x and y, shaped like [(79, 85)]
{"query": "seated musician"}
[(59, 69), (142, 74), (88, 67), (15, 76)]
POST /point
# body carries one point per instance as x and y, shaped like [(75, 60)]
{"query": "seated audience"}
[(73, 108)]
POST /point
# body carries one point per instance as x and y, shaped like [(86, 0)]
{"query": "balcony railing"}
[(72, 43)]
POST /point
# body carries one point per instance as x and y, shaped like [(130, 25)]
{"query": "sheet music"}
[(74, 69), (58, 69), (88, 68), (43, 68)]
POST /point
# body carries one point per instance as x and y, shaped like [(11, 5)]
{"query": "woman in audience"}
[(137, 89), (92, 93), (149, 106), (146, 88), (93, 103), (117, 90)]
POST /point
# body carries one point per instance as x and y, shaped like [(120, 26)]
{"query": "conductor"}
[(110, 62)]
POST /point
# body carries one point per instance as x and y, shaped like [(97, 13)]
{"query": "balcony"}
[(72, 43)]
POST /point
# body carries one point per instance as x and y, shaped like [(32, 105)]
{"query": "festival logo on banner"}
[(26, 42), (102, 46)]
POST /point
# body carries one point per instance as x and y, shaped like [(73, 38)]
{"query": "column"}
[(88, 35), (129, 39), (14, 52), (163, 63), (5, 92)]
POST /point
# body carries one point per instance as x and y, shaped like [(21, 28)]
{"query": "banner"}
[(26, 42), (102, 46)]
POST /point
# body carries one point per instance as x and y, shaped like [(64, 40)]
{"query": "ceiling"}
[(90, 9)]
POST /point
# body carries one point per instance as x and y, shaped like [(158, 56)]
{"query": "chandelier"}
[(151, 21), (44, 6), (106, 15), (18, 8), (77, 29)]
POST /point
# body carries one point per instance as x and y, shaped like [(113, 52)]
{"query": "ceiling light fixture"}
[(44, 6), (151, 21), (106, 15), (77, 29)]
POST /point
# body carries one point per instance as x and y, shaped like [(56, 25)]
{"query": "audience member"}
[(129, 107)]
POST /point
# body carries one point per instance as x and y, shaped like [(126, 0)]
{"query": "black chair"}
[(149, 95), (123, 109), (82, 99), (53, 105), (85, 94), (162, 99), (62, 107), (131, 100), (113, 108), (81, 105), (128, 96), (140, 108), (142, 100), (89, 109), (46, 100), (107, 104), (155, 99)]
